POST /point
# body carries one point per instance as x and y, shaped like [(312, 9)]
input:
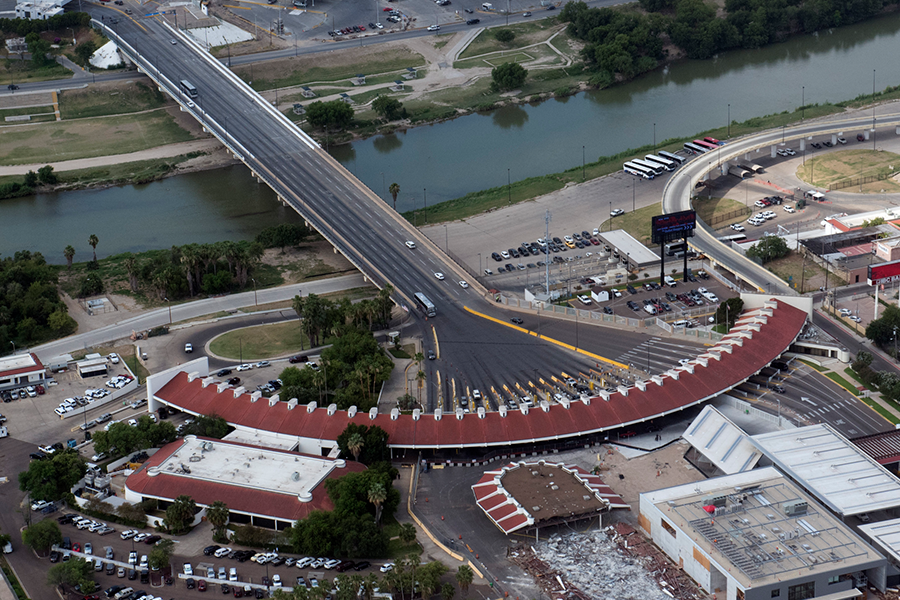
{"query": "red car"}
[(201, 586), (76, 547), (387, 9)]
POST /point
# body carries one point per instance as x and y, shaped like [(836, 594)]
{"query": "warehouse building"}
[(756, 535)]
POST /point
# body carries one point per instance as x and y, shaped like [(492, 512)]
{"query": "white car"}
[(841, 140), (737, 227), (113, 358), (188, 569), (244, 367), (789, 209), (276, 580), (221, 552), (463, 284), (387, 567), (39, 505), (617, 212), (88, 548), (845, 312), (439, 275), (379, 26), (433, 28), (145, 562), (595, 233), (789, 152), (586, 300), (411, 245), (504, 254), (141, 537), (304, 562), (128, 534), (332, 563), (132, 422), (855, 319)]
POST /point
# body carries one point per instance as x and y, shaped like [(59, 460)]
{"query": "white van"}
[(650, 309), (669, 281), (487, 6)]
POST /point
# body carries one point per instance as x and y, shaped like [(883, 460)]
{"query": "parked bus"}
[(672, 249), (706, 145), (633, 169), (656, 169), (666, 164), (425, 304), (713, 141), (737, 237), (694, 148), (673, 157), (188, 88)]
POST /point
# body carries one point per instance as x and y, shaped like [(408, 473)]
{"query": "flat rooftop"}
[(842, 476), (752, 532), (236, 465), (19, 363), (628, 245), (549, 491)]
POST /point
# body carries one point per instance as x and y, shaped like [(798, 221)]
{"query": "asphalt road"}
[(349, 215)]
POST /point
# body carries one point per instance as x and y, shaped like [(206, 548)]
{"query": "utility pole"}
[(547, 219)]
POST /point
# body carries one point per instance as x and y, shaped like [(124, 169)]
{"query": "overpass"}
[(679, 190)]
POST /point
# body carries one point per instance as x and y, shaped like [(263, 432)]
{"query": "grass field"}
[(824, 171), (714, 207), (331, 67), (526, 34), (66, 140), (881, 410), (17, 71), (835, 377), (792, 268), (636, 223), (109, 99), (262, 341)]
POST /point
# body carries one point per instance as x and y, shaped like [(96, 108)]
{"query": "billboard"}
[(673, 226), (883, 272)]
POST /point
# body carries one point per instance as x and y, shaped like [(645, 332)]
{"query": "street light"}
[(729, 120), (508, 188), (14, 346), (169, 304), (255, 299)]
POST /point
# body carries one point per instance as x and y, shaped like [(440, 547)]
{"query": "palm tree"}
[(355, 445), (420, 377), (377, 496), (407, 533), (217, 514), (394, 190), (464, 576), (69, 253), (130, 264), (93, 241)]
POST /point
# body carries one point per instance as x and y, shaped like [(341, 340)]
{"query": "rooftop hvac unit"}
[(717, 501), (795, 507), (295, 476)]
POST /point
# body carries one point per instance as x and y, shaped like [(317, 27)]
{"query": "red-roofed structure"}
[(20, 369), (883, 447), (544, 493), (273, 504), (760, 336)]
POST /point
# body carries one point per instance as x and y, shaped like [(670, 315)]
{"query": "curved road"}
[(678, 190)]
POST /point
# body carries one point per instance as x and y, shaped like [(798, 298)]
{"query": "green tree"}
[(131, 512), (448, 591), (508, 76), (85, 50), (47, 176), (355, 445), (464, 577), (91, 285), (429, 576), (388, 108), (69, 253), (211, 426), (161, 554), (336, 114), (31, 179), (283, 235), (377, 496), (61, 323), (51, 479), (93, 240), (41, 535), (881, 330), (407, 533), (729, 310), (505, 35), (75, 572), (180, 514), (38, 48), (375, 447), (769, 248), (217, 514), (394, 190)]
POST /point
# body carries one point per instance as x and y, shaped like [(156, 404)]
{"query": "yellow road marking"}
[(236, 7), (437, 345)]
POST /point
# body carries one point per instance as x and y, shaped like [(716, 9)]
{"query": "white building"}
[(20, 370), (756, 535), (39, 10)]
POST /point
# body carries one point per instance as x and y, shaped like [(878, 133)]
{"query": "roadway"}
[(680, 188)]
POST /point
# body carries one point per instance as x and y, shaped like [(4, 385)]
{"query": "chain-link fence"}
[(730, 216)]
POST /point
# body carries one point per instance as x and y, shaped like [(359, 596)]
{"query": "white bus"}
[(633, 169), (667, 164), (425, 304), (673, 157), (672, 249), (657, 169), (188, 88), (694, 148)]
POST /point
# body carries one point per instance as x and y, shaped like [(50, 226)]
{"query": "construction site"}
[(615, 562)]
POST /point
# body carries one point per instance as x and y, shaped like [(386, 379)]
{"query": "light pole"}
[(446, 240), (383, 188), (169, 305), (610, 215), (508, 188), (873, 109), (479, 263), (14, 346), (582, 163), (425, 204), (633, 184), (74, 39), (802, 102), (729, 120), (255, 299), (654, 137)]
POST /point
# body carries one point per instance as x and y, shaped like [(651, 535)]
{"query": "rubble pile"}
[(614, 563)]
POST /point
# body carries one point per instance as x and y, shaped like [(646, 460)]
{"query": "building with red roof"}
[(261, 486), (18, 370), (759, 336)]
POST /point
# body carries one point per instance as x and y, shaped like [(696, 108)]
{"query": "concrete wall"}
[(158, 380)]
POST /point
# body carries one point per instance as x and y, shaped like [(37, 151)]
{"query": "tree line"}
[(30, 307), (622, 45), (22, 27)]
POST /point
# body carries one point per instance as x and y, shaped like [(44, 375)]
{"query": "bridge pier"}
[(283, 201)]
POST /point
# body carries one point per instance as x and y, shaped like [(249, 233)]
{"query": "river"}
[(450, 159)]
